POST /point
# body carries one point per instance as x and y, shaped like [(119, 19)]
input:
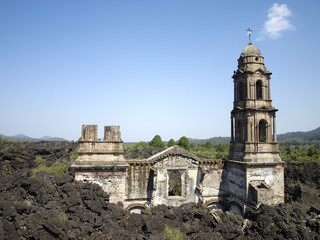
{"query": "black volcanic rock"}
[(46, 206)]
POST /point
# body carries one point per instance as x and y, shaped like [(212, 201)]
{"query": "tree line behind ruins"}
[(295, 147), (296, 150)]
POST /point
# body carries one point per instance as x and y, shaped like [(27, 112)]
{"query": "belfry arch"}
[(263, 130), (259, 90)]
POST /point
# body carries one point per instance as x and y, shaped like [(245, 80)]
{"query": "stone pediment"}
[(172, 151)]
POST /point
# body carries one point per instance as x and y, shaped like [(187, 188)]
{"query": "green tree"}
[(157, 142), (222, 147), (140, 145), (184, 143), (193, 146), (171, 143), (208, 145)]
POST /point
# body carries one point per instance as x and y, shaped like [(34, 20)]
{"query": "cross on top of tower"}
[(249, 34)]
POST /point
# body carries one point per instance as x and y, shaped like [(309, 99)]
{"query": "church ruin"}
[(252, 174)]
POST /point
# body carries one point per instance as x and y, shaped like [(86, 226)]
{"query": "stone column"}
[(232, 133), (274, 129), (248, 130), (235, 91), (269, 90), (248, 90)]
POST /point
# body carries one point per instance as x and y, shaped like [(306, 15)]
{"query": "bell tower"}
[(255, 171), (253, 118)]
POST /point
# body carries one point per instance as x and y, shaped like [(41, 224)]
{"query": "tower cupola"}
[(251, 55)]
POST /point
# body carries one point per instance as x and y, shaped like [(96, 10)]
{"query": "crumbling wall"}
[(111, 180), (252, 183), (210, 187), (102, 162), (188, 168), (269, 182)]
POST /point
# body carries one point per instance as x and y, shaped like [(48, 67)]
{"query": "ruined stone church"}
[(252, 174)]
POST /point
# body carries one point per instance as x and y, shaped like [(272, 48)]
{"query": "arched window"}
[(262, 130), (259, 89), (238, 131)]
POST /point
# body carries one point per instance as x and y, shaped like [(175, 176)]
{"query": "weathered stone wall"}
[(100, 147), (112, 181), (137, 180), (236, 180), (89, 133)]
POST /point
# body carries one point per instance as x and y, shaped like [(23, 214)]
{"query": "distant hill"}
[(313, 135), (300, 136), (23, 138), (215, 140)]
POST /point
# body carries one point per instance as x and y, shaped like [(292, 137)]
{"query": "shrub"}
[(20, 160), (149, 209), (74, 155), (6, 165), (39, 161), (58, 168), (140, 145), (62, 217), (172, 233)]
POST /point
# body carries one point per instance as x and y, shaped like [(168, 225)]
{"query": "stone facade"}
[(171, 177), (252, 174)]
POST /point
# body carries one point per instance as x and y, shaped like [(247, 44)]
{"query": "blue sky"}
[(152, 67)]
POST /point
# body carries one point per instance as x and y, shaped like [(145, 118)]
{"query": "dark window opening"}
[(262, 131), (240, 92), (174, 183), (238, 131), (259, 89)]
